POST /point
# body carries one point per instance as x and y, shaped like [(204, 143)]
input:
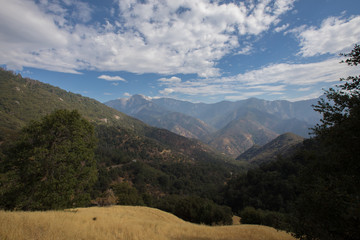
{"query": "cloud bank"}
[(335, 35), (165, 37), (172, 37), (274, 79)]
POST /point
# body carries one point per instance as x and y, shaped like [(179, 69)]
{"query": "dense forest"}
[(66, 159), (314, 193)]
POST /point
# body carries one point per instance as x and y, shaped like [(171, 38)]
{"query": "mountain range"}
[(156, 160), (153, 159), (230, 127)]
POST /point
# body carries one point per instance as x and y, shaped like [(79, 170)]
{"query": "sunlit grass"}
[(120, 223)]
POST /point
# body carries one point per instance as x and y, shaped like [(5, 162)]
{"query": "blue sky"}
[(201, 51)]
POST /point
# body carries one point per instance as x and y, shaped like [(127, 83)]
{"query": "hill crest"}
[(284, 145), (121, 222)]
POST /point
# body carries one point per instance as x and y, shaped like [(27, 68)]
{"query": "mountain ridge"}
[(284, 145), (153, 114), (211, 123), (23, 100)]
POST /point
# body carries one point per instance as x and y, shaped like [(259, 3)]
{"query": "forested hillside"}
[(155, 162), (313, 193), (284, 145), (24, 99)]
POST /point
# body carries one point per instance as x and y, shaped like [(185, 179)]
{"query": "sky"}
[(200, 51)]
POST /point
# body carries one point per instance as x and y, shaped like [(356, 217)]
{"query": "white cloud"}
[(305, 89), (243, 95), (269, 80), (107, 94), (170, 80), (165, 37), (313, 95), (246, 50), (166, 91), (83, 11), (127, 94), (111, 78), (269, 88), (29, 37), (294, 74), (282, 28), (335, 35)]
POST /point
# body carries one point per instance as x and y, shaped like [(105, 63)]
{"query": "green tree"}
[(329, 204), (52, 164), (195, 209), (127, 195)]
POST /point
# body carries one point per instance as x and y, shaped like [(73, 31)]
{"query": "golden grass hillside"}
[(121, 223)]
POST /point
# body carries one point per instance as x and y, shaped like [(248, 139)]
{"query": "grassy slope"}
[(121, 222)]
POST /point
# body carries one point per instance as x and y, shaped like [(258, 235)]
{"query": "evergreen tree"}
[(329, 205), (52, 164)]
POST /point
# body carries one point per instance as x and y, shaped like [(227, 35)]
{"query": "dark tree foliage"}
[(195, 209), (51, 165), (329, 204), (271, 186), (127, 195), (265, 194), (278, 220)]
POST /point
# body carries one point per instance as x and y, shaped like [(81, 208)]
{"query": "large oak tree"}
[(52, 164)]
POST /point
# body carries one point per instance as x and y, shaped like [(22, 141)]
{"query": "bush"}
[(195, 209), (127, 195), (251, 215)]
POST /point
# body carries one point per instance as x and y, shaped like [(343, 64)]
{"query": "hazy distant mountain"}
[(251, 127), (239, 135), (212, 114), (220, 114), (283, 145), (155, 115), (230, 127)]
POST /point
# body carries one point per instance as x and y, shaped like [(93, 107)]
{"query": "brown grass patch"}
[(121, 222)]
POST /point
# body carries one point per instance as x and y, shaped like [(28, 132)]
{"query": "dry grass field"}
[(121, 223)]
